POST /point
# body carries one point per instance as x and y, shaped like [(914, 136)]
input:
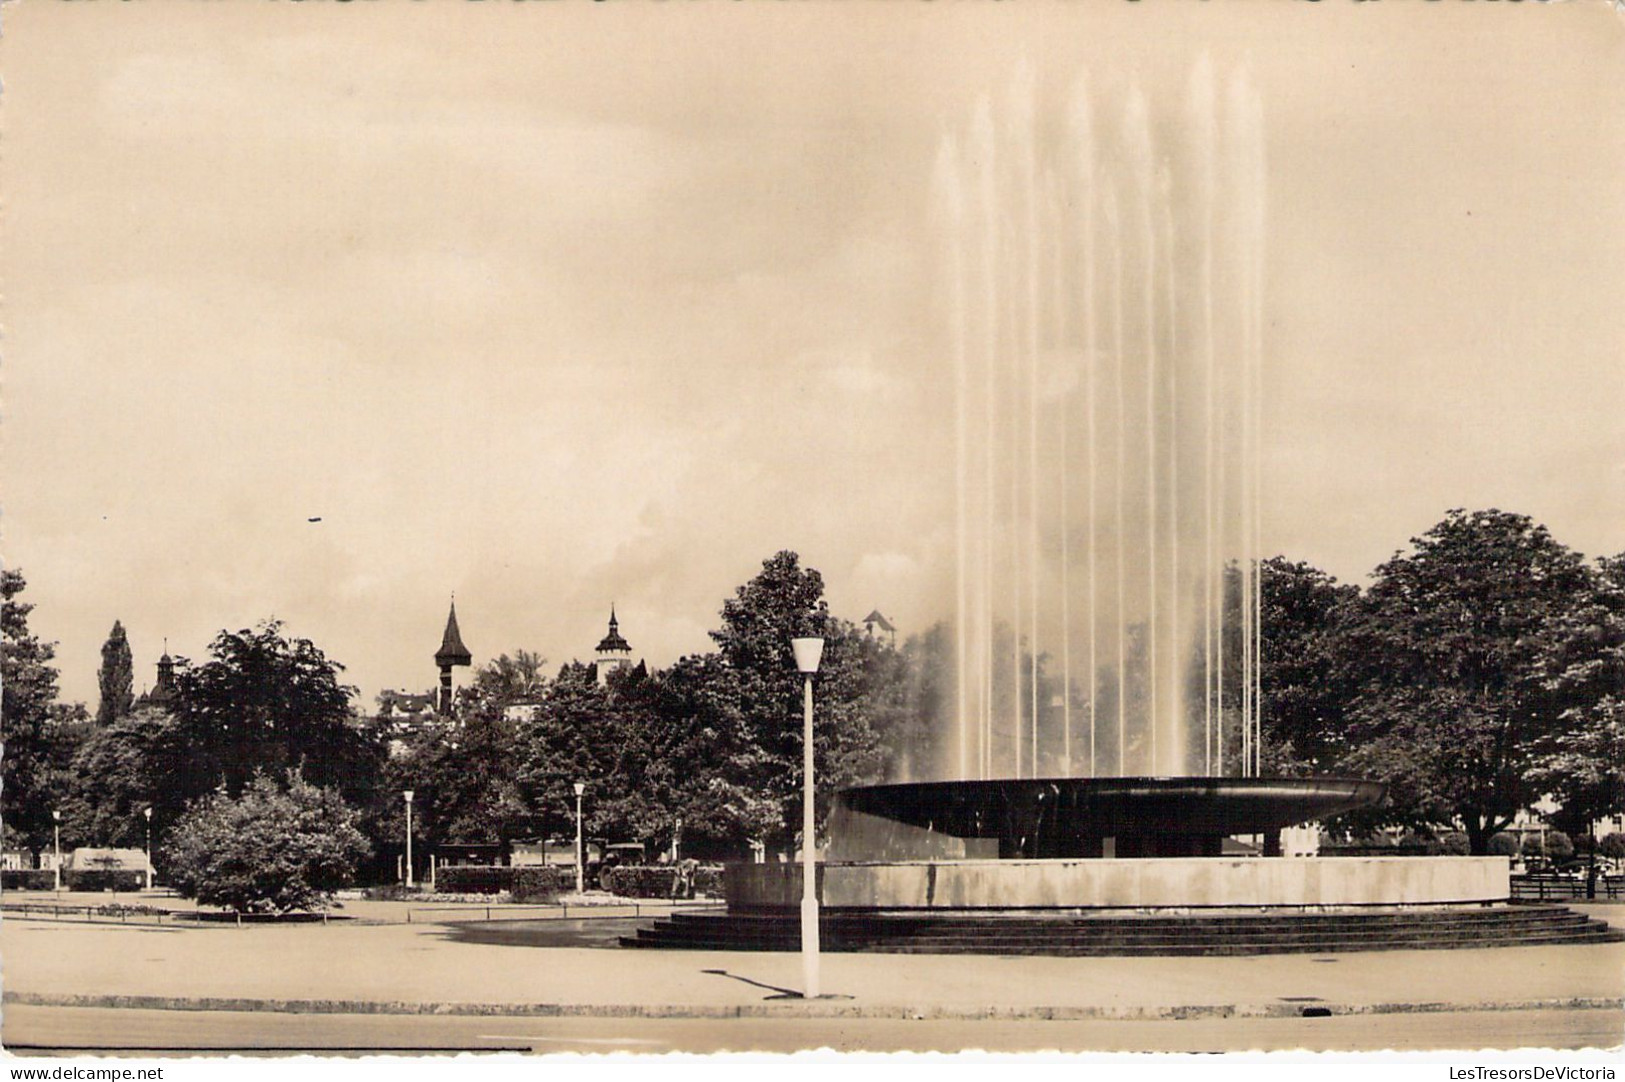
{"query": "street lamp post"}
[(809, 652), (581, 851), (148, 814), (408, 794), (56, 846)]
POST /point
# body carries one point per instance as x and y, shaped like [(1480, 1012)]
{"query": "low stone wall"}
[(1173, 882)]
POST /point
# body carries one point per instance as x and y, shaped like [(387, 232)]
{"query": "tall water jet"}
[(1105, 281)]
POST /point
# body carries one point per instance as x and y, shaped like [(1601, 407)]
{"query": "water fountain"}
[(1103, 315)]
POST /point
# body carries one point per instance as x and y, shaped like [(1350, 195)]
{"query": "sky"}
[(559, 306)]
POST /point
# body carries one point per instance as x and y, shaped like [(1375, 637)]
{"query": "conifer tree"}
[(116, 678)]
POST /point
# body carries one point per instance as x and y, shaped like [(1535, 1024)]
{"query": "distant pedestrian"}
[(682, 884)]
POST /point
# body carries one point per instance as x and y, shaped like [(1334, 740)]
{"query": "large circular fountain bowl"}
[(1037, 818), (1079, 845)]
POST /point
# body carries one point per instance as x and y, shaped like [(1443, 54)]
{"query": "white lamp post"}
[(56, 846), (808, 653), (408, 794), (581, 851), (148, 815)]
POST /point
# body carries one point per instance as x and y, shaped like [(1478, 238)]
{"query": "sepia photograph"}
[(1059, 528)]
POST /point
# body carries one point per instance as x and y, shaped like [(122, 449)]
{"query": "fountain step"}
[(1524, 926)]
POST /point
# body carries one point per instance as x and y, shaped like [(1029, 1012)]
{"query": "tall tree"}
[(1583, 766), (28, 786), (121, 770), (1306, 693), (266, 702), (782, 602), (1452, 652), (116, 678)]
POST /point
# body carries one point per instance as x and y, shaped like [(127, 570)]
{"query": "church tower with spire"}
[(451, 652), (614, 653)]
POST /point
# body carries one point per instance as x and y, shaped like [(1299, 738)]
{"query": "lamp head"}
[(148, 813), (580, 787), (56, 815), (809, 652), (407, 793)]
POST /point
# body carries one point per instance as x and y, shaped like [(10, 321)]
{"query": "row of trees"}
[(713, 742), (1478, 671)]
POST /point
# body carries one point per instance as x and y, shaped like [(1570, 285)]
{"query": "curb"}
[(788, 1010)]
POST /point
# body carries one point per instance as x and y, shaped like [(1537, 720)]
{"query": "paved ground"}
[(56, 971), (150, 1033)]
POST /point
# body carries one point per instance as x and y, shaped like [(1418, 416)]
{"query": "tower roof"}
[(613, 641), (452, 651)]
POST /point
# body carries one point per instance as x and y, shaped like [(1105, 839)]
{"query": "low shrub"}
[(1454, 844), (114, 879), (474, 879), (708, 880), (639, 881), (541, 884), (655, 881), (528, 884), (27, 879), (1503, 845)]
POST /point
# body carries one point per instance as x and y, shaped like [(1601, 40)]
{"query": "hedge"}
[(473, 879), (541, 884), (117, 879), (27, 879), (523, 884), (655, 881)]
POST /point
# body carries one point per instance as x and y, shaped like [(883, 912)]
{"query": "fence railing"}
[(94, 914), (1541, 888)]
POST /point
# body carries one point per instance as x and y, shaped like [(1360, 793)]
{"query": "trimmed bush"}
[(655, 880), (1612, 845), (474, 879), (1454, 844), (639, 880), (27, 879), (1558, 845), (1503, 845), (114, 879), (539, 884), (708, 880), (542, 884)]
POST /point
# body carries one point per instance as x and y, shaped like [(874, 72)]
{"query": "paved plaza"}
[(383, 966)]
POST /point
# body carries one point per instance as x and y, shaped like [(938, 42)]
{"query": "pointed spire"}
[(452, 651), (613, 643)]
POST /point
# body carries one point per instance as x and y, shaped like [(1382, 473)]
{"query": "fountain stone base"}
[(1101, 843)]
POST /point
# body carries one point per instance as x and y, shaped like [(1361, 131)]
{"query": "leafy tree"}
[(1582, 766), (120, 771), (266, 702), (508, 681), (269, 849), (782, 602), (1305, 695), (1451, 652), (29, 788), (464, 776), (116, 678), (1612, 845), (599, 735)]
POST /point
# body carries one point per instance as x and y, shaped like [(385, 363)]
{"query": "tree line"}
[(1477, 671)]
